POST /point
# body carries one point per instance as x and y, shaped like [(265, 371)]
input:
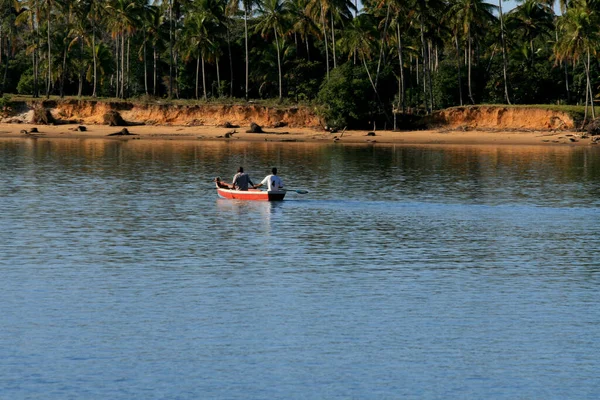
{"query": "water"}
[(406, 272)]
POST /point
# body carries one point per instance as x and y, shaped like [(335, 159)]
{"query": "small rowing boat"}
[(250, 194)]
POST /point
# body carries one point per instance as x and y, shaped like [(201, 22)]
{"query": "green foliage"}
[(5, 105), (542, 83), (445, 85), (344, 98), (25, 85), (304, 78)]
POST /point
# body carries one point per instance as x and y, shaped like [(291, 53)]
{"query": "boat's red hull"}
[(251, 194)]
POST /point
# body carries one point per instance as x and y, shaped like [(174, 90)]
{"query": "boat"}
[(250, 194)]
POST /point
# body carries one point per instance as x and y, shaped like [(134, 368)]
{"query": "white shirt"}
[(273, 182)]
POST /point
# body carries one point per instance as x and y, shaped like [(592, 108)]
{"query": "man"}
[(241, 180), (272, 181)]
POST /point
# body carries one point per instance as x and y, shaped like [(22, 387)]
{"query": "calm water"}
[(406, 272)]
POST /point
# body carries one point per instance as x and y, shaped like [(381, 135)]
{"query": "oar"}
[(299, 191)]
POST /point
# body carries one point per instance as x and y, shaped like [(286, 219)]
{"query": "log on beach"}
[(122, 132)]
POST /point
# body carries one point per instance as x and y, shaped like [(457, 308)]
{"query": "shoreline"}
[(444, 136)]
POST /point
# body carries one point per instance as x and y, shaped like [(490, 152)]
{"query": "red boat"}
[(251, 194)]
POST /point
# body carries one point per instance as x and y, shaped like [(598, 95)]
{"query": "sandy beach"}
[(287, 134)]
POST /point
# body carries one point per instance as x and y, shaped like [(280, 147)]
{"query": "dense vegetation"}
[(407, 56)]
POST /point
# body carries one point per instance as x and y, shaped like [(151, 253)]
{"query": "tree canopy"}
[(406, 57)]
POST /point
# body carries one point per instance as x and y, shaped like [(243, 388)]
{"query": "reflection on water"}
[(124, 276)]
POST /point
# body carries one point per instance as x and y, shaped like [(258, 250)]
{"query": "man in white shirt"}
[(273, 182)]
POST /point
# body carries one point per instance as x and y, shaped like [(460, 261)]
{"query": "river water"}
[(405, 272)]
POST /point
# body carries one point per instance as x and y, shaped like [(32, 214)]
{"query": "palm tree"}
[(580, 39), (158, 34), (426, 14), (530, 20), (232, 8), (29, 14), (300, 22), (273, 19), (359, 38), (124, 18), (90, 14), (8, 30), (102, 66), (400, 14), (504, 53), (465, 15), (319, 9), (48, 10), (148, 19), (196, 37), (69, 32), (340, 11)]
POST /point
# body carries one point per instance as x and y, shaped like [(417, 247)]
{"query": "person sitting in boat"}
[(241, 180), (273, 182), (222, 184)]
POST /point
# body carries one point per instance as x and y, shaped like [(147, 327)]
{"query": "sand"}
[(424, 137)]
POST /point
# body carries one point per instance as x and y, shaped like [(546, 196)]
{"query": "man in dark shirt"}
[(241, 180)]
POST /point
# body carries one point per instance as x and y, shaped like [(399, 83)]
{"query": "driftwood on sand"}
[(123, 132)]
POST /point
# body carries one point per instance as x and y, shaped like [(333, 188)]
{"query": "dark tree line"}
[(392, 57)]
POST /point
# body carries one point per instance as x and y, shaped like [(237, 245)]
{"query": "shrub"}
[(344, 98), (5, 105), (42, 116), (113, 118), (25, 85)]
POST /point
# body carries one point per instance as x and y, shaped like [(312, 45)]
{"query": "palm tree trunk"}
[(122, 66), (246, 44), (401, 62), (589, 83), (170, 49), (197, 76), (81, 70), (6, 65), (429, 80), (117, 66), (95, 57), (204, 79), (278, 66), (425, 62), (155, 69), (469, 69), (48, 87), (458, 69), (230, 64), (369, 75), (325, 38), (127, 77), (34, 23), (333, 42), (566, 70), (504, 55), (218, 77), (62, 75), (382, 46), (176, 82), (1, 41), (587, 94), (38, 73), (145, 68), (307, 50)]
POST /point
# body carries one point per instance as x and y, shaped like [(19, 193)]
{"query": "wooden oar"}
[(299, 191)]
